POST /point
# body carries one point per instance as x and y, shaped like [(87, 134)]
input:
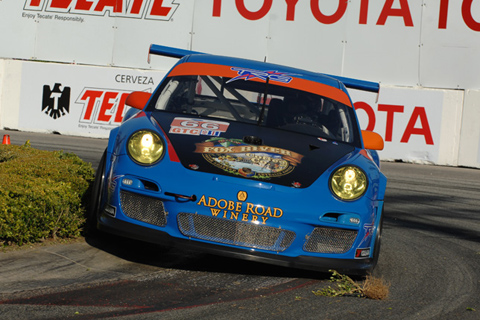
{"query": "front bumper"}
[(320, 264)]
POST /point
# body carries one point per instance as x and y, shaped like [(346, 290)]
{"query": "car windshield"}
[(261, 103)]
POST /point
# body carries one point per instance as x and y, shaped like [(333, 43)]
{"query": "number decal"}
[(196, 127)]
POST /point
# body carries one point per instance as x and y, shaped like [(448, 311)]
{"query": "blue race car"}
[(246, 159)]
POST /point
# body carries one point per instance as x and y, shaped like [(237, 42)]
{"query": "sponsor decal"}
[(296, 184), (242, 196), (138, 9), (253, 161), (240, 210), (197, 127), (363, 250), (368, 235), (249, 74), (56, 101), (112, 182), (362, 253)]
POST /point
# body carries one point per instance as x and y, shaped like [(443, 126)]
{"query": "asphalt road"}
[(90, 150), (430, 256)]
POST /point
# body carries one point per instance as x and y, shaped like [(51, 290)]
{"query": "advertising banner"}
[(409, 120), (397, 42), (97, 32), (78, 100)]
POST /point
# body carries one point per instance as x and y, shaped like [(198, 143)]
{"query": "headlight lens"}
[(348, 183), (145, 147)]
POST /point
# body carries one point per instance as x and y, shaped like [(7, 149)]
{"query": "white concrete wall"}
[(2, 73), (451, 127), (469, 151), (10, 91)]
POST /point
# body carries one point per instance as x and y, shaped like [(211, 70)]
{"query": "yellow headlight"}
[(348, 183), (145, 147)]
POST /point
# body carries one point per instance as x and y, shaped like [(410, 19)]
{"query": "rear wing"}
[(180, 53), (170, 52)]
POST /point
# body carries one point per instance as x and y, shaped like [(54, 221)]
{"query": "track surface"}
[(430, 256)]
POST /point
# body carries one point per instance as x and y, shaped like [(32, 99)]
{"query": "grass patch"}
[(371, 287)]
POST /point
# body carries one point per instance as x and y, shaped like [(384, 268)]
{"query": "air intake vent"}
[(142, 208), (234, 232), (328, 240)]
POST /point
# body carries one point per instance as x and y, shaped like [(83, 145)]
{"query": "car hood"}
[(250, 151)]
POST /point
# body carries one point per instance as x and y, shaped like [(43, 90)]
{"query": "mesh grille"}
[(326, 240), (234, 232), (142, 208)]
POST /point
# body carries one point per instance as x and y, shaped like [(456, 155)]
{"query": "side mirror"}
[(138, 99), (372, 140)]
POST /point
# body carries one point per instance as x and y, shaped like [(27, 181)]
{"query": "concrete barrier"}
[(10, 84), (469, 151)]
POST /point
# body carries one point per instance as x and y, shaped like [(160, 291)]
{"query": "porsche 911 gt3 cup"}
[(246, 159)]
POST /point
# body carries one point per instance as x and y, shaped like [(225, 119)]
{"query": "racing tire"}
[(96, 196), (378, 241)]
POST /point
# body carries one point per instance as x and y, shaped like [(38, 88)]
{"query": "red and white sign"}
[(148, 9), (331, 12), (416, 125), (102, 106)]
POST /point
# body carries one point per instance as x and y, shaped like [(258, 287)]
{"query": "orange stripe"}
[(204, 69)]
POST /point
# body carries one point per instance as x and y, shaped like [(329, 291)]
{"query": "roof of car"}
[(259, 65)]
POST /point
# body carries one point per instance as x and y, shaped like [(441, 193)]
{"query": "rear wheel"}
[(97, 195)]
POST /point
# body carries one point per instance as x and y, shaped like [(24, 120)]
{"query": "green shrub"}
[(42, 194)]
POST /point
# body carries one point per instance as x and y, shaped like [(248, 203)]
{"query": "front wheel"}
[(378, 240), (97, 195)]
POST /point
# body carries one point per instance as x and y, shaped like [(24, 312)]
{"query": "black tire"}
[(378, 242), (96, 196)]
